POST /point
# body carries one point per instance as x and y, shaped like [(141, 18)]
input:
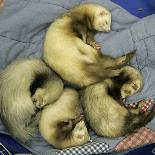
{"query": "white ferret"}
[(62, 123), (22, 85), (71, 51), (104, 109)]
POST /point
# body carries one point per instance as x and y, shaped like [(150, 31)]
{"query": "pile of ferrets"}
[(33, 95)]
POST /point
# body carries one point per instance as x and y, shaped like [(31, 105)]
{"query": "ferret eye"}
[(65, 123), (106, 23)]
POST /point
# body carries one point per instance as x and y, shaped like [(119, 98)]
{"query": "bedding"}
[(23, 24)]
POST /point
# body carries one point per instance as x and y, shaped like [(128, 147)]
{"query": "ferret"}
[(23, 83), (62, 123), (70, 49), (105, 111)]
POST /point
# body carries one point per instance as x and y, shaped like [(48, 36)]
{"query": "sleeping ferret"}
[(25, 85), (69, 42), (104, 109), (62, 123)]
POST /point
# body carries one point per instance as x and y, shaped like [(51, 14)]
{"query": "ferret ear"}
[(102, 13)]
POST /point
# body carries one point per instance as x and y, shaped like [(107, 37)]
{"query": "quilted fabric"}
[(23, 24), (90, 148), (141, 137)]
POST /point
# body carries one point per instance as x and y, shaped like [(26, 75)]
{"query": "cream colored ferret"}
[(62, 123), (71, 51), (25, 85), (104, 109)]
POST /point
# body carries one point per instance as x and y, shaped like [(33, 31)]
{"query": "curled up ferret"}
[(22, 85), (105, 110), (71, 51), (62, 123)]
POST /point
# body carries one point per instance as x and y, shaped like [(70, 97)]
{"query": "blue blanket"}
[(23, 24)]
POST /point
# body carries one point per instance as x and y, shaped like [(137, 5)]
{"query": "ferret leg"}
[(39, 98), (109, 62), (112, 73), (48, 93), (87, 36), (130, 88), (91, 41)]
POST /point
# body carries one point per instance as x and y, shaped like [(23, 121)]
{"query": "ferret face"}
[(102, 20)]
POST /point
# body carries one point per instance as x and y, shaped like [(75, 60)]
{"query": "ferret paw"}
[(121, 60), (130, 88), (125, 59), (113, 73), (95, 45), (80, 133), (39, 98)]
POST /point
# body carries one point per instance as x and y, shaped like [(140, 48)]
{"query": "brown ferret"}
[(68, 46), (62, 123), (104, 109)]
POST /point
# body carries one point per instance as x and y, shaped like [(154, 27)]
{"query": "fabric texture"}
[(23, 24), (90, 148), (4, 150), (143, 106), (141, 137)]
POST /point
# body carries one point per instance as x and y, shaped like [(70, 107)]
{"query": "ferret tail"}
[(105, 68), (135, 121), (108, 63), (23, 133)]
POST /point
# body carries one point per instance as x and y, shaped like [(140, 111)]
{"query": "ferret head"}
[(102, 20), (69, 134), (98, 17)]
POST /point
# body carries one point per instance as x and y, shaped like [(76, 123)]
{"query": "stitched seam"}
[(146, 49), (131, 35), (16, 40), (59, 4), (153, 40), (54, 4), (153, 35), (134, 45)]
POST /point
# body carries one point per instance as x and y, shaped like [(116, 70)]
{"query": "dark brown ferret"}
[(70, 50)]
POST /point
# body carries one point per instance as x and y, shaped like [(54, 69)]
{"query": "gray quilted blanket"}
[(23, 24)]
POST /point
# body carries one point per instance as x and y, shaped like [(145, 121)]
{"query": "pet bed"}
[(23, 24)]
